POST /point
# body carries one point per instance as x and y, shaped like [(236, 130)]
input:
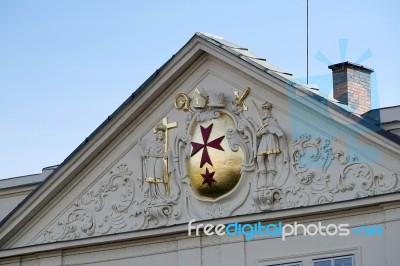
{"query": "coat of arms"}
[(223, 144), (225, 152), (213, 167)]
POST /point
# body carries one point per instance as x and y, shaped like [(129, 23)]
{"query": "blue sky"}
[(66, 65)]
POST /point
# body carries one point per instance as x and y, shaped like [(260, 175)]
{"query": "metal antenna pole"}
[(307, 41)]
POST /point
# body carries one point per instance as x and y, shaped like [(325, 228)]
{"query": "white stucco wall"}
[(180, 249)]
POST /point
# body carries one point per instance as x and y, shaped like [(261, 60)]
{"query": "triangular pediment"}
[(210, 135)]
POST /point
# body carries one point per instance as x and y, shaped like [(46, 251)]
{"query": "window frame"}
[(334, 258), (307, 259), (293, 263)]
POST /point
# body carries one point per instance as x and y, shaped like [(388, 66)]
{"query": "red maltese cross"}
[(216, 144)]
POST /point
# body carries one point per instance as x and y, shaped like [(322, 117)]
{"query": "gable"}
[(124, 180)]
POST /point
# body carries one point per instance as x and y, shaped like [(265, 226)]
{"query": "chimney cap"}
[(348, 64)]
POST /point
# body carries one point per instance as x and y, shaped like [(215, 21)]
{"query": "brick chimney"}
[(352, 85)]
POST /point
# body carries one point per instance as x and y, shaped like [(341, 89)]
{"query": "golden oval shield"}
[(214, 169)]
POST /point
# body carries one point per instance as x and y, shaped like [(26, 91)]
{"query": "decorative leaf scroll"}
[(99, 211), (310, 152), (317, 165)]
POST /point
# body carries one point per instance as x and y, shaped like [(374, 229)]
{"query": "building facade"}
[(220, 158)]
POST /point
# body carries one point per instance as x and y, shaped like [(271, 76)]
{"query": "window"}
[(336, 261), (289, 264), (344, 257)]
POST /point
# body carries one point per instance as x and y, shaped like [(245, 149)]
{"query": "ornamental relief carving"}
[(327, 175), (226, 155), (94, 213)]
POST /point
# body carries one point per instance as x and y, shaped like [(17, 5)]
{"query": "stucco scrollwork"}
[(99, 211), (361, 178), (327, 175), (310, 153)]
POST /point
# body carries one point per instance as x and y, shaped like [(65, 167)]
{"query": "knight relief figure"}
[(154, 168), (272, 143)]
